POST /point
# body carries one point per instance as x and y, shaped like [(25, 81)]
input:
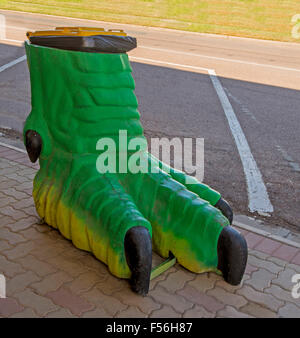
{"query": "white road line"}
[(2, 27), (222, 59), (258, 199), (257, 192), (12, 63)]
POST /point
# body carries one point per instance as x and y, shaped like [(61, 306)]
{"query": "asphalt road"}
[(178, 98)]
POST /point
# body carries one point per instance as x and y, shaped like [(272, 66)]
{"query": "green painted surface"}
[(78, 98)]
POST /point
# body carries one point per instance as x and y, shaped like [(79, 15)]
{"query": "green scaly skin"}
[(78, 98)]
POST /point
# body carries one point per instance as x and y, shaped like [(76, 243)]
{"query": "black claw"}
[(138, 251), (225, 208), (232, 255), (33, 144)]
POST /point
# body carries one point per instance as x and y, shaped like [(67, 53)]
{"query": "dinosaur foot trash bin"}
[(82, 92)]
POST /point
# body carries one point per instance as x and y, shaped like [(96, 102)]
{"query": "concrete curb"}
[(266, 234)]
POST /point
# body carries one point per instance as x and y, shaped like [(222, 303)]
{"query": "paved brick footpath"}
[(46, 276)]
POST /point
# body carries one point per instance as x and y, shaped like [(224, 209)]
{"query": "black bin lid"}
[(84, 39)]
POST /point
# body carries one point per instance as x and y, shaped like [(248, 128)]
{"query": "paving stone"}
[(23, 223), (176, 281), (277, 261), (16, 177), (41, 305), (232, 288), (261, 279), (20, 282), (179, 303), (4, 245), (84, 282), (144, 304), (183, 271), (31, 211), (27, 313), (49, 254), (296, 259), (3, 163), (27, 184), (93, 264), (28, 172), (202, 282), (11, 212), (8, 268), (43, 227), (241, 231), (28, 192), (200, 298), (258, 311), (215, 276), (9, 306), (39, 267), (267, 246), (69, 266), (260, 263), (32, 234), (24, 160), (253, 239), (259, 254), (109, 284), (97, 313), (286, 252), (7, 184), (263, 299), (294, 267), (4, 201), (20, 250), (18, 195), (70, 252), (250, 268), (282, 294), (284, 279), (109, 303), (10, 236), (61, 313), (227, 297), (6, 220), (289, 311), (198, 312), (57, 237), (51, 282), (165, 312), (11, 155), (25, 171), (156, 281), (131, 312), (46, 241), (231, 312), (65, 298)]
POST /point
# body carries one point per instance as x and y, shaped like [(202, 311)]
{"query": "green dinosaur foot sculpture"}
[(79, 98)]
